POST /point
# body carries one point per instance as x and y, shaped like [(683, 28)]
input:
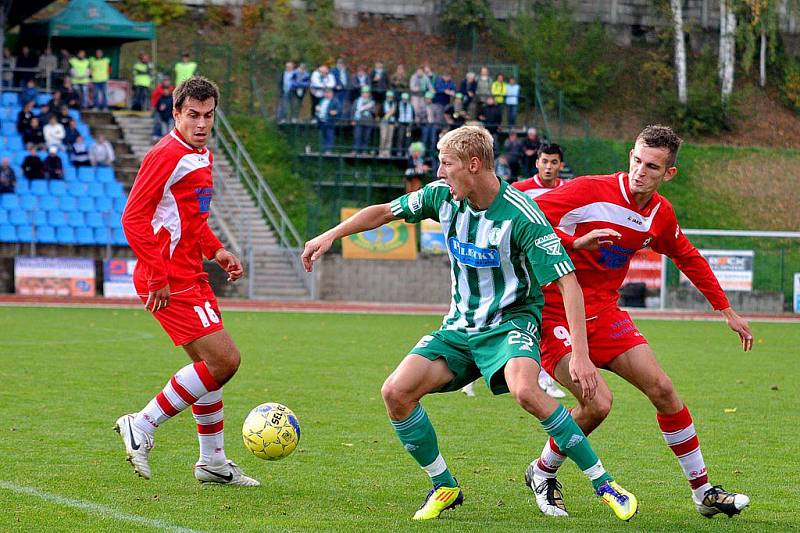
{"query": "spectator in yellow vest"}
[(79, 73), (100, 67), (142, 82), (499, 89), (184, 69)]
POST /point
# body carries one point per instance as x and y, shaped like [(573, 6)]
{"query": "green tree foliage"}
[(574, 58), (790, 86), (288, 33), (157, 11), (460, 16)]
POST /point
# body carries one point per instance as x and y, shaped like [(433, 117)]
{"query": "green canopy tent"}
[(87, 25)]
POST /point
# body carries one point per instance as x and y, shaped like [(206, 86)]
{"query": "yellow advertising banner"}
[(395, 240)]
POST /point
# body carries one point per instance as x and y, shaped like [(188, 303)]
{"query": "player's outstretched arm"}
[(581, 368), (368, 218), (740, 326)]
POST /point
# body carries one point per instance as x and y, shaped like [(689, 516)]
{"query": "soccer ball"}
[(271, 431)]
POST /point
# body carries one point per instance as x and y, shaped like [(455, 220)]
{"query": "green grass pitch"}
[(67, 374)]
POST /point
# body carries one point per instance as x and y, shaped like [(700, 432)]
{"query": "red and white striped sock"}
[(550, 461), (678, 430), (208, 413), (187, 385)]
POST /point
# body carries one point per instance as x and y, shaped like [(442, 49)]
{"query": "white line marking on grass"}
[(93, 507)]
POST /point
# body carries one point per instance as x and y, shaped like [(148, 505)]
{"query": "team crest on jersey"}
[(494, 237), (204, 195), (415, 201), (550, 243), (474, 256)]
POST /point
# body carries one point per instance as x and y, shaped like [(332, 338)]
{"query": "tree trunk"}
[(762, 60), (680, 50), (727, 47)]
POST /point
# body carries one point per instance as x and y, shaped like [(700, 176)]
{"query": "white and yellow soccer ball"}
[(271, 431)]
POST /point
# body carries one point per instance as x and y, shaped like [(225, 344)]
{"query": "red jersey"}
[(534, 187), (594, 202), (166, 216)]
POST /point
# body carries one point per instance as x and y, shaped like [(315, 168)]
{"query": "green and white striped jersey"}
[(499, 257)]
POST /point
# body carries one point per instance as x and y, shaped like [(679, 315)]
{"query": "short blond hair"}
[(467, 142)]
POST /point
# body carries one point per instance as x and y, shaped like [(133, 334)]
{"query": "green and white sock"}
[(570, 439), (419, 439)]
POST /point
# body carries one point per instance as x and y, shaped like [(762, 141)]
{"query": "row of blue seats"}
[(11, 98), (76, 219), (60, 188), (62, 235), (10, 111), (85, 204), (85, 174), (8, 128)]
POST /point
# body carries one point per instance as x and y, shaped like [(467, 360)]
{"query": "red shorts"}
[(191, 313), (610, 333)]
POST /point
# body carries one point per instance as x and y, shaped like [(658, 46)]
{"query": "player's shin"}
[(208, 413), (570, 438), (418, 437), (680, 436)]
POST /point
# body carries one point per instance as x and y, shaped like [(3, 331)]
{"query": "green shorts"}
[(484, 353)]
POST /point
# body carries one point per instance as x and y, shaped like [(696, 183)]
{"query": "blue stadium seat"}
[(39, 187), (119, 204), (39, 217), (18, 217), (9, 201), (15, 143), (48, 203), (69, 203), (56, 218), (84, 236), (8, 128), (105, 174), (76, 219), (115, 220), (46, 235), (74, 113), (25, 233), (8, 233), (103, 236), (114, 189), (23, 185), (3, 216), (42, 154), (43, 98), (20, 157), (65, 235), (76, 189), (96, 189), (58, 188), (95, 220), (9, 99), (103, 204), (119, 238), (70, 174), (83, 129), (28, 201), (86, 204), (86, 174)]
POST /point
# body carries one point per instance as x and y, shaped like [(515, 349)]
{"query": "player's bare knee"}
[(531, 399), (600, 406), (662, 393), (393, 396)]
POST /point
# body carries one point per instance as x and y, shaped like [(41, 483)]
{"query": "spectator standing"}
[(363, 120), (321, 80), (142, 82), (387, 125), (454, 114), (419, 84), (79, 74), (444, 91), (47, 64), (491, 116), (502, 169), (184, 69), (54, 133), (483, 89), (530, 147), (512, 101), (24, 118), (405, 122), (327, 112), (8, 179), (379, 81), (285, 90), (300, 83), (29, 93), (162, 109), (101, 68), (399, 80), (79, 153), (32, 167), (26, 67), (342, 75), (358, 82), (70, 95), (512, 147), (101, 153), (433, 119), (53, 168), (469, 88), (9, 64), (33, 134), (499, 94)]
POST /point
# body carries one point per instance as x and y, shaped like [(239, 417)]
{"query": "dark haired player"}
[(602, 221), (166, 224)]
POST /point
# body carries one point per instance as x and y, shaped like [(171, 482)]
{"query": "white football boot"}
[(227, 473), (547, 491), (718, 500), (137, 444), (548, 385), (469, 389)]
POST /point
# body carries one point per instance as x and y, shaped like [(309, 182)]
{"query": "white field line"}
[(92, 507)]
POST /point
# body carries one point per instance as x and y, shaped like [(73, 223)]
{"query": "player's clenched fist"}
[(314, 249)]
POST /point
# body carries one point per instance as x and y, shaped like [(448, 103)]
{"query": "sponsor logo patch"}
[(474, 256), (550, 243), (204, 195), (415, 201)]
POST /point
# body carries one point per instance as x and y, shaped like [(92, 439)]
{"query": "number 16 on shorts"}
[(206, 314)]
